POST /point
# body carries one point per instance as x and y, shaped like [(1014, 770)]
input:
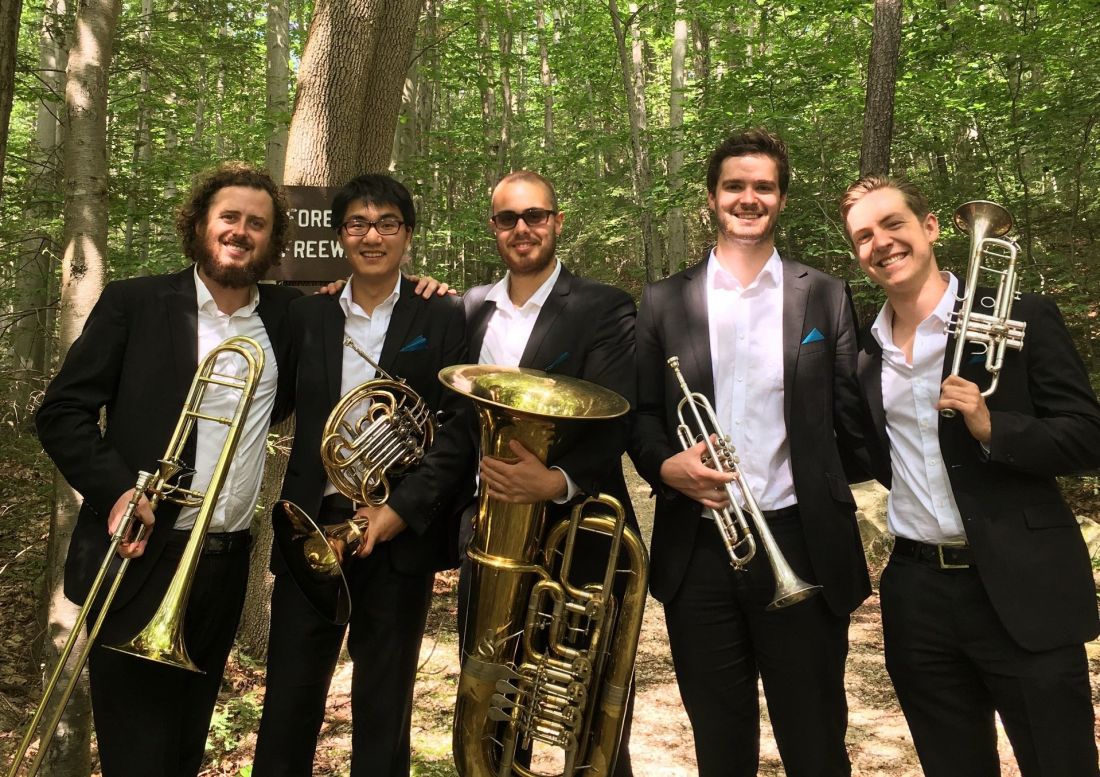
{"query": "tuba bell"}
[(990, 254), (547, 659), (162, 638), (379, 429)]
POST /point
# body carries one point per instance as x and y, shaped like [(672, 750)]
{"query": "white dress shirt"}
[(746, 346), (368, 330), (237, 499), (921, 506), (508, 330)]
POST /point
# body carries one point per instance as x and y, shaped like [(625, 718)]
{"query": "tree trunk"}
[(629, 61), (10, 10), (504, 147), (35, 277), (278, 86), (878, 110), (486, 79), (82, 274), (677, 231), (349, 89), (545, 80)]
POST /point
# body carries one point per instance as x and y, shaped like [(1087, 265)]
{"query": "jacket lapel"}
[(332, 339), (477, 321), (869, 372), (796, 293), (397, 333), (544, 324), (181, 308), (699, 373)]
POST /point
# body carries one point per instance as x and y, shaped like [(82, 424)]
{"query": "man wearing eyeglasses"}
[(541, 316), (406, 539)]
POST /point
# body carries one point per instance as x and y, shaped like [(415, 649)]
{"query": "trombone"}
[(733, 526), (162, 639)]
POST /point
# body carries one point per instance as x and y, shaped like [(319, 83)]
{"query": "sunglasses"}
[(532, 217)]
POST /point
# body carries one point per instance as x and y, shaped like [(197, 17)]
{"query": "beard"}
[(536, 261), (234, 276)]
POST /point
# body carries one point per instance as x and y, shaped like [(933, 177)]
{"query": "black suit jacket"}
[(820, 410), (423, 337), (584, 330), (1027, 546), (136, 357)]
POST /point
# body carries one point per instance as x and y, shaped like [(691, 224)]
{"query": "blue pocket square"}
[(557, 362), (813, 337), (418, 343)]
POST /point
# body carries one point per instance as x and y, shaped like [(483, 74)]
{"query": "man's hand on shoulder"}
[(426, 286)]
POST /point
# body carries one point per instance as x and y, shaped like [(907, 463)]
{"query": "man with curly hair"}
[(136, 359)]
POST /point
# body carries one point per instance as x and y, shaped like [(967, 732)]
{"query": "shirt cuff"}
[(571, 489)]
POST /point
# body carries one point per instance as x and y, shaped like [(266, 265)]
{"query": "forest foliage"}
[(994, 100)]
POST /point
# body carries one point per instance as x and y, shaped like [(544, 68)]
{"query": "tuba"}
[(547, 659), (378, 429), (734, 528), (987, 223), (162, 639)]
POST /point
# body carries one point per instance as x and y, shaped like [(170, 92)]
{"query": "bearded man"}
[(771, 344), (541, 316), (136, 359)]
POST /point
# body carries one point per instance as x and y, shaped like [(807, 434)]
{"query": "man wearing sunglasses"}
[(541, 316)]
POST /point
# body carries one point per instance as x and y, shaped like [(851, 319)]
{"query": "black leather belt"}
[(782, 512), (217, 543), (940, 556)]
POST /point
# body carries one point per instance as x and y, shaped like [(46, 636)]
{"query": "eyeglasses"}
[(532, 217), (360, 227)]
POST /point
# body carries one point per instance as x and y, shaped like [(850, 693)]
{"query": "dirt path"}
[(661, 744)]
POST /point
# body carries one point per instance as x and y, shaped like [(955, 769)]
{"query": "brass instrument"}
[(378, 429), (162, 639), (733, 526), (987, 223), (547, 659)]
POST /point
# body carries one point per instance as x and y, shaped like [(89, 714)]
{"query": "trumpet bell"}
[(983, 218), (312, 562)]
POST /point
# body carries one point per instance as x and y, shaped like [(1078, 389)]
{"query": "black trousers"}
[(151, 719), (389, 611), (953, 665), (589, 563), (723, 639)]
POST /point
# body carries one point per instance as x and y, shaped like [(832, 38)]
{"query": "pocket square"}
[(418, 343), (813, 337), (557, 362)]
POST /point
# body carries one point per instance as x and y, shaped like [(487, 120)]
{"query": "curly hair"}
[(194, 211), (756, 141)]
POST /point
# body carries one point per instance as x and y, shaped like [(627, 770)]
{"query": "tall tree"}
[(630, 62), (878, 111), (277, 34), (349, 89), (10, 11), (83, 271), (677, 230)]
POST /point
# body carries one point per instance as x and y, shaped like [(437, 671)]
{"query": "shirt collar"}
[(770, 275), (883, 328), (499, 292), (207, 304), (350, 307)]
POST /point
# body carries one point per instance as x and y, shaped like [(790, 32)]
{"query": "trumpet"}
[(162, 639), (731, 521), (987, 223), (378, 429)]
